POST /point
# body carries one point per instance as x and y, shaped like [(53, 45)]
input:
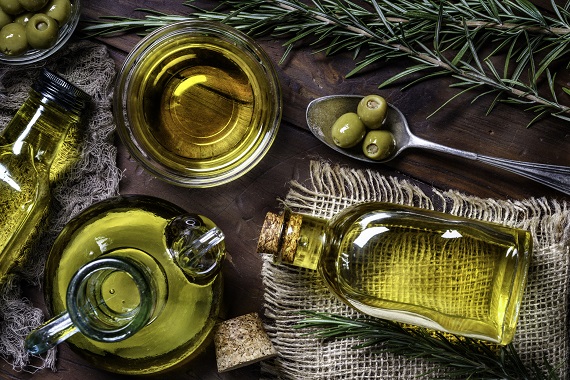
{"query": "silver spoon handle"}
[(555, 176)]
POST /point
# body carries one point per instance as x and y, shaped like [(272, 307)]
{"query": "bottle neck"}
[(294, 239), (111, 298), (108, 300), (42, 124)]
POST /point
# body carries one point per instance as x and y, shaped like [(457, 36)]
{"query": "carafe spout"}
[(197, 249)]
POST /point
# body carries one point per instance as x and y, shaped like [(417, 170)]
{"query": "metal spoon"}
[(323, 112)]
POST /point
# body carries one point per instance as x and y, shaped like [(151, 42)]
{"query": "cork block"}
[(241, 341)]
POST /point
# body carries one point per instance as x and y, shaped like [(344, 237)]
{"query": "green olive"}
[(42, 31), (12, 7), (372, 111), (33, 5), (5, 18), (59, 10), (13, 39), (347, 131), (378, 144), (24, 18)]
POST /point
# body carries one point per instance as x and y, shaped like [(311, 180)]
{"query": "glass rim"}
[(191, 177), (140, 315)]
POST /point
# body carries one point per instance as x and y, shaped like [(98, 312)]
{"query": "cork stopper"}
[(279, 236), (270, 235), (241, 341), (291, 238)]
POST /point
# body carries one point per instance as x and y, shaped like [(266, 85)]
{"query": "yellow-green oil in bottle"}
[(182, 321), (24, 194), (419, 267)]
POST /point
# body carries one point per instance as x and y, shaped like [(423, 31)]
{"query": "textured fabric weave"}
[(542, 330), (85, 172)]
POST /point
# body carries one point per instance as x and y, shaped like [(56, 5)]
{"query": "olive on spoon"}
[(323, 112)]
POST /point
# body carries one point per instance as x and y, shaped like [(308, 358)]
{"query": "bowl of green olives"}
[(32, 30)]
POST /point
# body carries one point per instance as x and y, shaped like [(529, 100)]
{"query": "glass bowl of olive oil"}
[(197, 103)]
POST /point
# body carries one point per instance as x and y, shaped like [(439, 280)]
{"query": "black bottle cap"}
[(57, 89)]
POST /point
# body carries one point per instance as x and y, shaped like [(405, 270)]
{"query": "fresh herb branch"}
[(444, 37), (464, 358)]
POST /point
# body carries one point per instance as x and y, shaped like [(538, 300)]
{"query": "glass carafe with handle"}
[(134, 284)]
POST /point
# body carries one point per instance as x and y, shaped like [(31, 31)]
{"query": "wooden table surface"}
[(239, 207)]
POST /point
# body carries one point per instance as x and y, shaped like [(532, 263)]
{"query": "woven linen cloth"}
[(542, 330), (84, 172)]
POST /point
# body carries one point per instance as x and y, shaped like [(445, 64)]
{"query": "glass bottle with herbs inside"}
[(411, 265), (29, 144)]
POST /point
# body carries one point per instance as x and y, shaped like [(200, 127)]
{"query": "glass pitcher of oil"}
[(135, 286)]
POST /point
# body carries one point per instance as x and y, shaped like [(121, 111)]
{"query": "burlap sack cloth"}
[(85, 172), (542, 329)]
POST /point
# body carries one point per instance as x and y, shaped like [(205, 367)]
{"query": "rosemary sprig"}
[(464, 358), (111, 25), (444, 37)]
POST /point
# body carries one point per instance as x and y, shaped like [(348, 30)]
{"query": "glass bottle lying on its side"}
[(29, 145), (411, 265)]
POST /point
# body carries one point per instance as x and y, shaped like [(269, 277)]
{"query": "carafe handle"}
[(50, 334)]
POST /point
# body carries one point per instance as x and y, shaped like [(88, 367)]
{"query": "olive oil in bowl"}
[(198, 104)]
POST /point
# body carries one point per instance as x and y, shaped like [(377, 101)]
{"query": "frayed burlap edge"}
[(542, 331), (90, 175)]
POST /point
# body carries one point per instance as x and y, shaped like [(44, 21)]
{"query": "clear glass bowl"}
[(197, 103), (36, 55)]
